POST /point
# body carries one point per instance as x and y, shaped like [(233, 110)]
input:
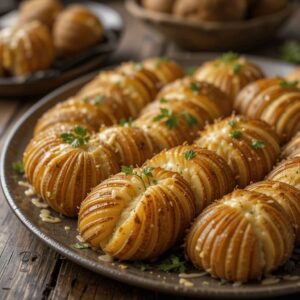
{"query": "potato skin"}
[(134, 217), (211, 10), (226, 240), (25, 49), (250, 147), (267, 7), (76, 29), (230, 73), (284, 194), (273, 101), (292, 148), (164, 6)]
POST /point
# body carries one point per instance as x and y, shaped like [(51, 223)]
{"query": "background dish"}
[(65, 70), (212, 36), (56, 236)]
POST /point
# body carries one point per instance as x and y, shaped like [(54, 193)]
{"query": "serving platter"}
[(62, 237), (64, 70)]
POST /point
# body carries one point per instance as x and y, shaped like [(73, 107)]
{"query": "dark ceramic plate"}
[(64, 70), (61, 240)]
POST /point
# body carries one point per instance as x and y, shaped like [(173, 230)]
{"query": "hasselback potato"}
[(275, 101), (294, 76), (250, 147), (230, 73), (292, 149), (287, 171), (25, 49), (63, 166), (138, 214), (75, 29), (44, 11), (243, 236), (207, 174), (286, 195)]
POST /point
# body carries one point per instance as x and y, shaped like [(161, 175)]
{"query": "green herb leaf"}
[(148, 171), (288, 84), (163, 100), (126, 123), (172, 264), (128, 170), (171, 120), (80, 246), (257, 144), (190, 119), (77, 137), (236, 134), (290, 52), (164, 113), (195, 87), (190, 71), (229, 57), (190, 154), (232, 123), (98, 100), (18, 167), (237, 69), (160, 61), (138, 66)]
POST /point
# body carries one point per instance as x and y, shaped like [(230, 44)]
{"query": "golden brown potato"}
[(131, 145), (288, 171), (243, 236), (207, 174), (292, 149), (284, 194), (64, 166), (267, 7), (230, 73), (138, 214), (211, 10), (44, 11), (159, 5), (294, 76), (274, 100), (250, 147), (25, 49), (76, 29)]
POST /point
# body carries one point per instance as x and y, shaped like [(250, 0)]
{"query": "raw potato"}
[(266, 7), (211, 10), (159, 5)]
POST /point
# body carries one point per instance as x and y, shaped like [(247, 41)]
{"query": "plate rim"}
[(103, 269)]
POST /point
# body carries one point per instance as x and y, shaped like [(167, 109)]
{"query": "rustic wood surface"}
[(31, 270)]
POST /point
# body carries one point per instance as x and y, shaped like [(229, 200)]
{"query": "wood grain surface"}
[(31, 270)]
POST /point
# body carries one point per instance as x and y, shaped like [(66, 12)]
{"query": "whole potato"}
[(158, 5), (211, 10), (266, 7)]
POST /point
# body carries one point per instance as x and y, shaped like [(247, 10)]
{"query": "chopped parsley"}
[(126, 122), (172, 264), (237, 69), (160, 61), (190, 154), (190, 71), (232, 123), (288, 84), (290, 52), (171, 120), (97, 100), (195, 87), (148, 171), (257, 144), (18, 167), (138, 66), (128, 170), (77, 137), (229, 57), (236, 134), (190, 119), (163, 100)]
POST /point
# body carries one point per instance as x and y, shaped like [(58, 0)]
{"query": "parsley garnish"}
[(126, 123), (80, 246), (190, 119), (257, 144), (229, 57), (290, 52), (190, 154), (138, 66), (195, 87), (18, 167), (237, 69), (236, 134), (98, 100), (171, 119), (172, 264), (160, 61), (232, 123), (148, 171), (288, 84), (128, 170), (190, 71), (163, 100), (77, 137)]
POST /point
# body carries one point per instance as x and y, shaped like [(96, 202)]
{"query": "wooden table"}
[(31, 270)]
